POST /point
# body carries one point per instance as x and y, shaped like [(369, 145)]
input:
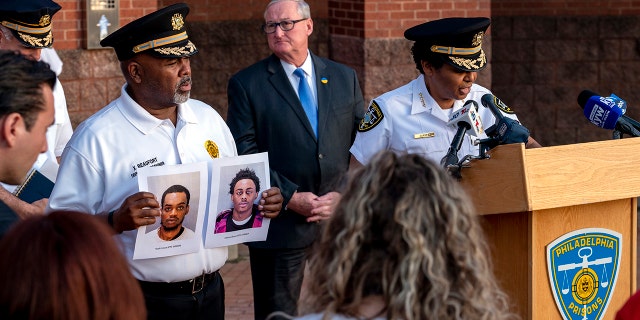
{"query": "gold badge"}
[(45, 20), (424, 135), (477, 39), (177, 22), (212, 149)]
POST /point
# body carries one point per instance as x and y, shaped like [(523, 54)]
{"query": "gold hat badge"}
[(177, 21)]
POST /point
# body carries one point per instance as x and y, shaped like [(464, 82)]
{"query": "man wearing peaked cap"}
[(25, 27), (153, 123), (161, 34), (29, 21), (413, 118)]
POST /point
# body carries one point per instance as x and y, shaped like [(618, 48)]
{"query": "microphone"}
[(605, 112), (467, 120), (492, 102), (506, 130), (468, 114)]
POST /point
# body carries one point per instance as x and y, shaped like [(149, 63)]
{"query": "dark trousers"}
[(206, 304), (277, 279)]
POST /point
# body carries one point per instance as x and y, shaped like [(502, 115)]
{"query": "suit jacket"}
[(8, 218), (265, 114)]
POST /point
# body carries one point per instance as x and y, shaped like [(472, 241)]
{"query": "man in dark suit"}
[(308, 148)]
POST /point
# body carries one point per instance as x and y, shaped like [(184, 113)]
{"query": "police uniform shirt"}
[(408, 120), (99, 170), (59, 134)]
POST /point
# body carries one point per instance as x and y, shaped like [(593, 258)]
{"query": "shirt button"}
[(320, 156)]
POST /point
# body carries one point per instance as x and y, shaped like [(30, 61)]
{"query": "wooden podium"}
[(530, 197)]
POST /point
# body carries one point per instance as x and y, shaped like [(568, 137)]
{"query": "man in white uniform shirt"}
[(152, 123)]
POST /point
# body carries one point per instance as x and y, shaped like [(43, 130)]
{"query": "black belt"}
[(191, 286)]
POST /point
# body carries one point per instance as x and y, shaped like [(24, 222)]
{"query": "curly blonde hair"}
[(404, 231)]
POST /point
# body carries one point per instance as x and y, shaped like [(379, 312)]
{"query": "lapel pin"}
[(324, 80)]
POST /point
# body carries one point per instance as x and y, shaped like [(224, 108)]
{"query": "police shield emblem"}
[(583, 269)]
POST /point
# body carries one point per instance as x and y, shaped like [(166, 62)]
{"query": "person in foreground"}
[(413, 118), (26, 111), (404, 243), (53, 267), (631, 308), (154, 122), (304, 111)]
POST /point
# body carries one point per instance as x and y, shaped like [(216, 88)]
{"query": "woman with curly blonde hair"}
[(404, 243)]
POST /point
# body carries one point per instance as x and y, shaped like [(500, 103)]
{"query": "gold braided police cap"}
[(29, 21), (458, 40), (161, 33)]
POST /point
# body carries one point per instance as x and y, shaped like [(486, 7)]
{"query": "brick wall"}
[(69, 24), (91, 78), (367, 37), (226, 33), (237, 10), (541, 63), (389, 18), (382, 57), (538, 64), (565, 7)]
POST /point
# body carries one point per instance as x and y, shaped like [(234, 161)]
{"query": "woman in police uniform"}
[(413, 118)]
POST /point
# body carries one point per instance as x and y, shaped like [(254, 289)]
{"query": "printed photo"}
[(182, 192), (234, 200)]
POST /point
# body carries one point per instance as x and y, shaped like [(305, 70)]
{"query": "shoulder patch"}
[(503, 107), (372, 117)]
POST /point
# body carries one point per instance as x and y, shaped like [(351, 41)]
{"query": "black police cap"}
[(161, 33), (458, 40), (29, 21)]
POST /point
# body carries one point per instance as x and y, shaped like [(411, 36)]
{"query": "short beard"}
[(178, 97)]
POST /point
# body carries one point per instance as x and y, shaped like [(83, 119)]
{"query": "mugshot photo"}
[(181, 191), (234, 216)]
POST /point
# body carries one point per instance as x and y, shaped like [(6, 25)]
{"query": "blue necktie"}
[(307, 101)]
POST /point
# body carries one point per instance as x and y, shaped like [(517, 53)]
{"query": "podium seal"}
[(583, 268)]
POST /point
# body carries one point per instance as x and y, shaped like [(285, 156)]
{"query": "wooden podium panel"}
[(530, 197), (522, 179)]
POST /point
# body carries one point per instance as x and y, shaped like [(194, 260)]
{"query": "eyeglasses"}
[(285, 25)]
